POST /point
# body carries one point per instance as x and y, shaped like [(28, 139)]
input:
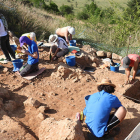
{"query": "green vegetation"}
[(78, 5), (103, 28)]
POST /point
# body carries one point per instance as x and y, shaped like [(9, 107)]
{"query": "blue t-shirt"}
[(31, 49), (97, 111)]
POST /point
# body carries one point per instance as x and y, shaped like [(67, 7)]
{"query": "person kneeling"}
[(98, 108), (60, 48), (33, 56)]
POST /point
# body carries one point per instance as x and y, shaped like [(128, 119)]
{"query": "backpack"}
[(4, 22)]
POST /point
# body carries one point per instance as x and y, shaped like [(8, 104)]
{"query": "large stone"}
[(89, 49), (60, 130), (101, 54), (32, 102), (109, 55), (116, 56)]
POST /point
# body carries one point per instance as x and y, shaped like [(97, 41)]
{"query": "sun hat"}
[(53, 38), (24, 39), (71, 30), (126, 62), (106, 82), (32, 35)]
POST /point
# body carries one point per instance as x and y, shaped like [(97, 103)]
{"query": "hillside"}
[(78, 5)]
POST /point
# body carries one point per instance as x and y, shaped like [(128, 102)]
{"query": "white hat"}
[(71, 30), (32, 35), (53, 38)]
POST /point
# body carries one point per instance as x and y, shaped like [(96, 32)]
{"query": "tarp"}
[(71, 48)]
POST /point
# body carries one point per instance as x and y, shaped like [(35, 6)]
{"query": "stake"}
[(128, 44)]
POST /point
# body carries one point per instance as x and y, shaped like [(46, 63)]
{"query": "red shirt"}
[(133, 58)]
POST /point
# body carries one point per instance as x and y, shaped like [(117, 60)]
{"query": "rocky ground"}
[(44, 108)]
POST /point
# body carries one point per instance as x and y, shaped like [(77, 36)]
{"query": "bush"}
[(82, 16), (52, 7), (133, 9), (69, 17), (65, 10)]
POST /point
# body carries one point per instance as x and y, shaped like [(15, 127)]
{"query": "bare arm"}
[(127, 74), (34, 55), (70, 36), (135, 68), (56, 53), (66, 36)]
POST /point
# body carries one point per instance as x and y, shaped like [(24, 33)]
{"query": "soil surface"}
[(64, 96)]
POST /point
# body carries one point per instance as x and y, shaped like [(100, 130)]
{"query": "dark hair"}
[(107, 88)]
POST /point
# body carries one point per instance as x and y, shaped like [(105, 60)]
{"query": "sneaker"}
[(115, 131), (6, 61), (92, 137)]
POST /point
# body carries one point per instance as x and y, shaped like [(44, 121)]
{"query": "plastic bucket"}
[(70, 60), (17, 64), (72, 42), (14, 47), (115, 68)]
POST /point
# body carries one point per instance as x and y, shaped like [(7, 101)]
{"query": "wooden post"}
[(128, 44)]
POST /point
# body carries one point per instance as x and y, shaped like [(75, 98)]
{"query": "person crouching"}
[(33, 56)]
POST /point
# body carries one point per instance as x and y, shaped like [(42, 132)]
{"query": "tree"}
[(52, 7), (133, 8)]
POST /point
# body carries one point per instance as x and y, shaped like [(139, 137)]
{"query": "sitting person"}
[(65, 32), (98, 108), (33, 56), (131, 62), (61, 47)]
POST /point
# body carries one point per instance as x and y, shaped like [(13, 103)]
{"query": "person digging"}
[(33, 56), (131, 65), (59, 48), (65, 32), (100, 119)]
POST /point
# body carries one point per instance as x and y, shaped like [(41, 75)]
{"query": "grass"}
[(81, 3)]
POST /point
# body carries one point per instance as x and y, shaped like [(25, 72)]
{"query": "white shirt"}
[(2, 29)]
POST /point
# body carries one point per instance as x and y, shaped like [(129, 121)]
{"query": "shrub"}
[(132, 9), (65, 10), (82, 16), (52, 7)]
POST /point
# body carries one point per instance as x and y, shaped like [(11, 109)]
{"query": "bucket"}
[(72, 42), (14, 47), (70, 60), (115, 68), (17, 64)]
